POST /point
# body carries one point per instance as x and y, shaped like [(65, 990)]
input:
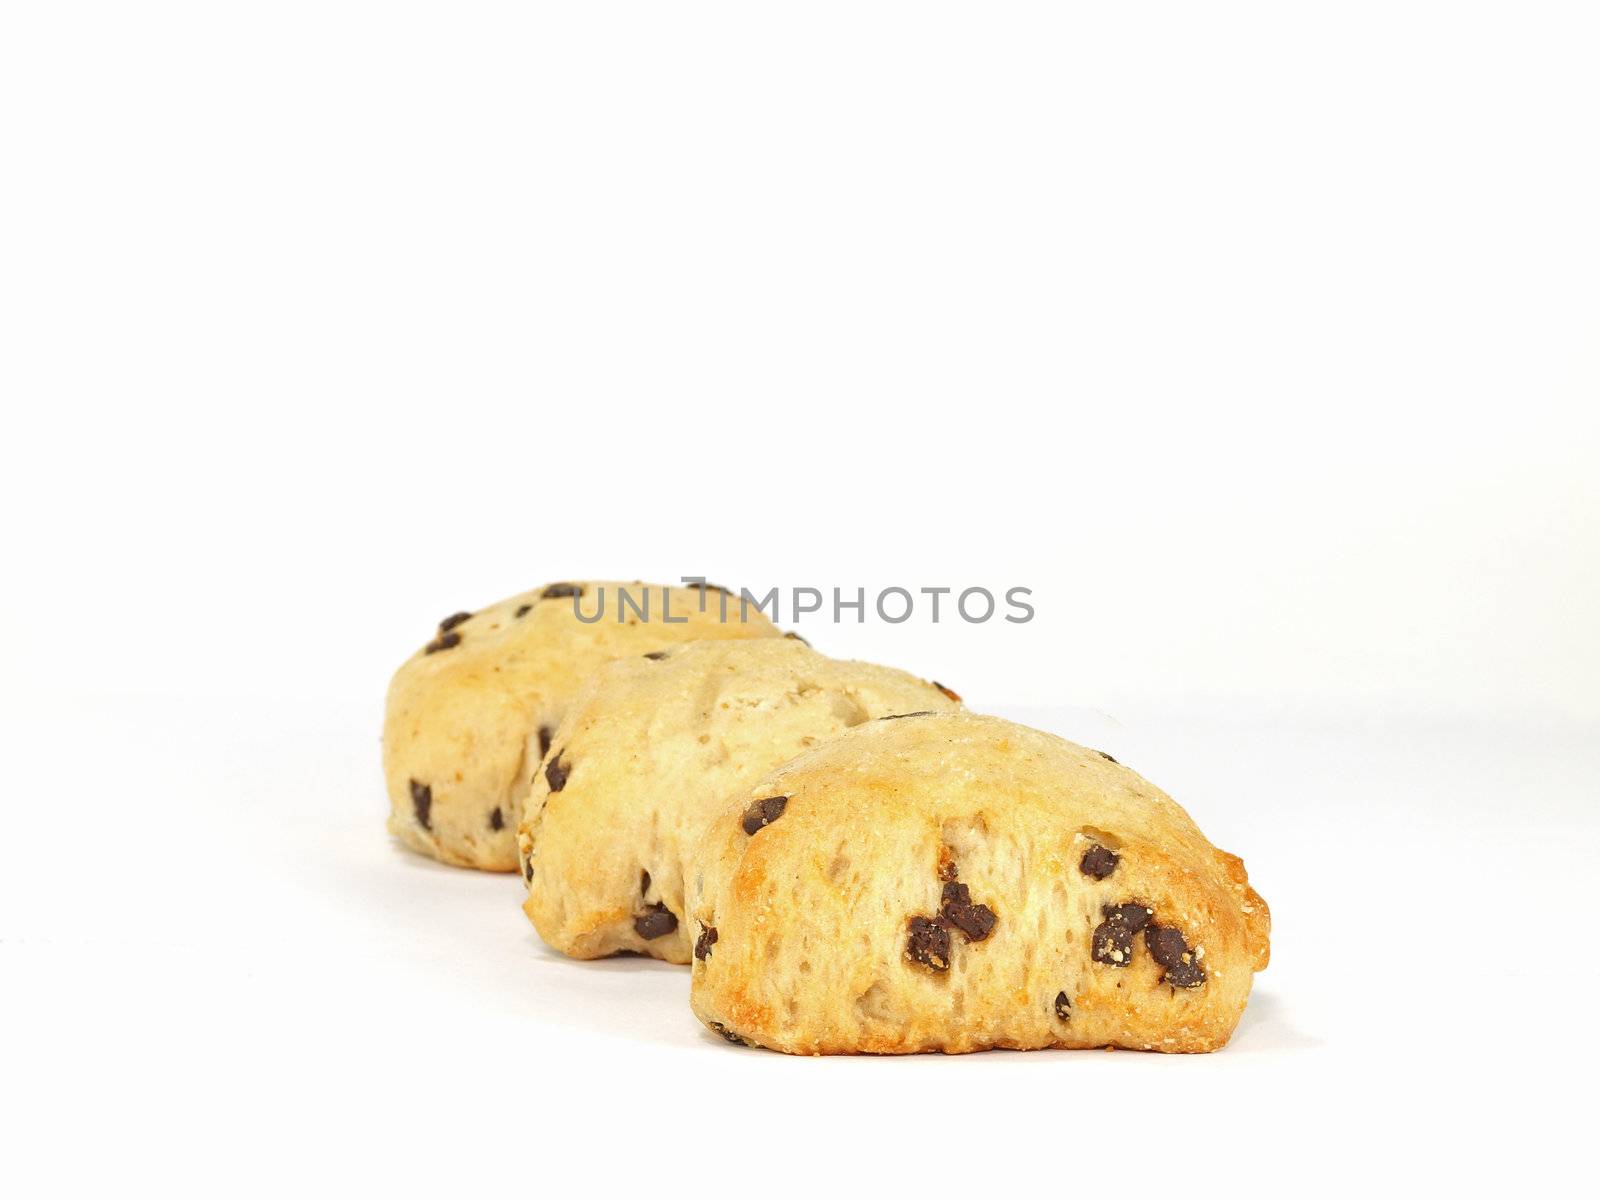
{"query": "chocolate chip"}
[(702, 586), (762, 813), (727, 1034), (527, 870), (928, 943), (1185, 975), (1112, 941), (1098, 862), (496, 820), (1167, 945), (1134, 916), (656, 655), (975, 921), (656, 921), (948, 693), (1063, 1007), (422, 801), (444, 641), (545, 734), (454, 619), (556, 772), (1170, 948), (522, 611), (795, 637), (557, 590), (947, 869), (1107, 757), (706, 940), (644, 883), (926, 712)]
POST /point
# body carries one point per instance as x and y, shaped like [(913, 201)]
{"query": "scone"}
[(956, 882), (463, 710), (650, 749)]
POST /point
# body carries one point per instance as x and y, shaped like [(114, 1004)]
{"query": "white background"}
[(1259, 342)]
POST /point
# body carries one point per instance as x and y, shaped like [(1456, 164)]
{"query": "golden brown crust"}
[(650, 749), (957, 882), (462, 710)]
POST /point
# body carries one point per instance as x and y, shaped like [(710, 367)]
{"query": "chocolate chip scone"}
[(648, 752), (464, 709), (955, 882)]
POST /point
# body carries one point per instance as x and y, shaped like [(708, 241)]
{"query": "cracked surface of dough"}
[(814, 950), (648, 752), (462, 711)]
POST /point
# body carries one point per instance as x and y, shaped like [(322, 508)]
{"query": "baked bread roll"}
[(956, 882), (647, 754), (463, 710)]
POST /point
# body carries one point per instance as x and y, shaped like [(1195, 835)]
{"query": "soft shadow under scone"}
[(462, 710), (955, 882), (648, 753)]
